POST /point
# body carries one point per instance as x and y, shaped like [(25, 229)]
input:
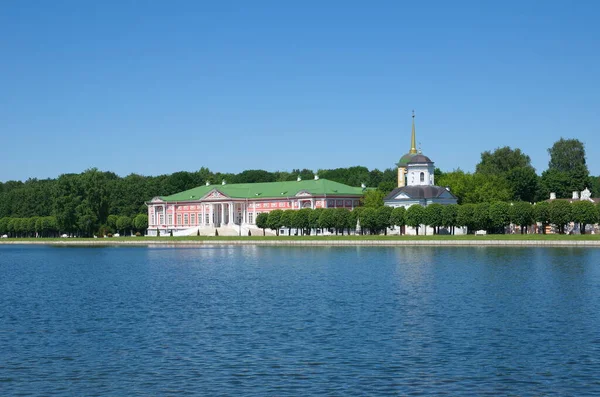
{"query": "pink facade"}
[(217, 210)]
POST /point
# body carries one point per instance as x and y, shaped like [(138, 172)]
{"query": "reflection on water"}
[(260, 321)]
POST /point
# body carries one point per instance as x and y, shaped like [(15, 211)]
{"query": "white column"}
[(231, 221), (210, 214), (312, 203), (222, 213)]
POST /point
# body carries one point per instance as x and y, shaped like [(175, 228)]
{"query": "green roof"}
[(269, 190), (405, 159)]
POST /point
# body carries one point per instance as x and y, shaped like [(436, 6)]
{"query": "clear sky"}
[(155, 87)]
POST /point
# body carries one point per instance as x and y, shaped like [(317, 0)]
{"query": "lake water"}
[(255, 321)]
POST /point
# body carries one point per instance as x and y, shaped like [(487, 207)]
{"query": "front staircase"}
[(223, 231)]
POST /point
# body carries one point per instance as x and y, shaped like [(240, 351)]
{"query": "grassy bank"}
[(495, 237)]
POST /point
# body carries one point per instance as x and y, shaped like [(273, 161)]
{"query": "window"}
[(170, 217), (422, 177), (207, 219), (161, 218), (186, 219), (199, 219), (251, 218), (152, 219), (179, 219)]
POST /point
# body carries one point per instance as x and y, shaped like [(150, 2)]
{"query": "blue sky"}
[(157, 87)]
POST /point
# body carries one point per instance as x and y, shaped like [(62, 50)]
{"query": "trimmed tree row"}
[(494, 218)]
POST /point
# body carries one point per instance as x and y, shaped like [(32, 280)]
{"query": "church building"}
[(416, 183)]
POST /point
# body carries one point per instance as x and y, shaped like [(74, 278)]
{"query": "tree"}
[(502, 160), (560, 214), (111, 222), (541, 213), (287, 220), (274, 220), (466, 216), (584, 212), (327, 219), (415, 216), (523, 182), (313, 219), (301, 220), (341, 219), (140, 222), (373, 199), (3, 226), (355, 214), (481, 216), (567, 164), (384, 218), (368, 219), (521, 214), (499, 216), (124, 224), (450, 216), (433, 217), (398, 217), (487, 189), (262, 221)]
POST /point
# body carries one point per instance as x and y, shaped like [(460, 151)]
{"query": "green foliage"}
[(124, 224), (502, 160), (433, 216), (301, 221), (499, 214), (567, 170), (274, 220), (314, 217), (481, 216), (450, 216), (327, 218), (287, 219), (398, 217), (560, 214), (262, 220), (140, 222), (415, 216), (373, 199), (112, 221), (383, 218), (466, 216), (368, 220), (341, 219), (585, 213), (522, 214), (476, 188), (523, 181)]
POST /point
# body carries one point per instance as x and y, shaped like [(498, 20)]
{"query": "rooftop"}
[(269, 190)]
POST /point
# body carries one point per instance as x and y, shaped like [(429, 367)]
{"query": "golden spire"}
[(413, 139)]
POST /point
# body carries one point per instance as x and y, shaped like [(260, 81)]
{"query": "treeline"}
[(48, 226), (82, 203), (494, 218), (506, 174)]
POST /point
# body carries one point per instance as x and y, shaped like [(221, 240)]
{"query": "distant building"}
[(416, 181), (233, 207)]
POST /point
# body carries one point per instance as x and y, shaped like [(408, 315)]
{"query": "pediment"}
[(402, 196), (215, 195), (302, 193), (156, 200), (446, 195)]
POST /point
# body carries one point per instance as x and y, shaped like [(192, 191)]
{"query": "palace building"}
[(232, 208)]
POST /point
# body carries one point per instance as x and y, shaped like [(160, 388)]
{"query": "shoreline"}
[(312, 243)]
